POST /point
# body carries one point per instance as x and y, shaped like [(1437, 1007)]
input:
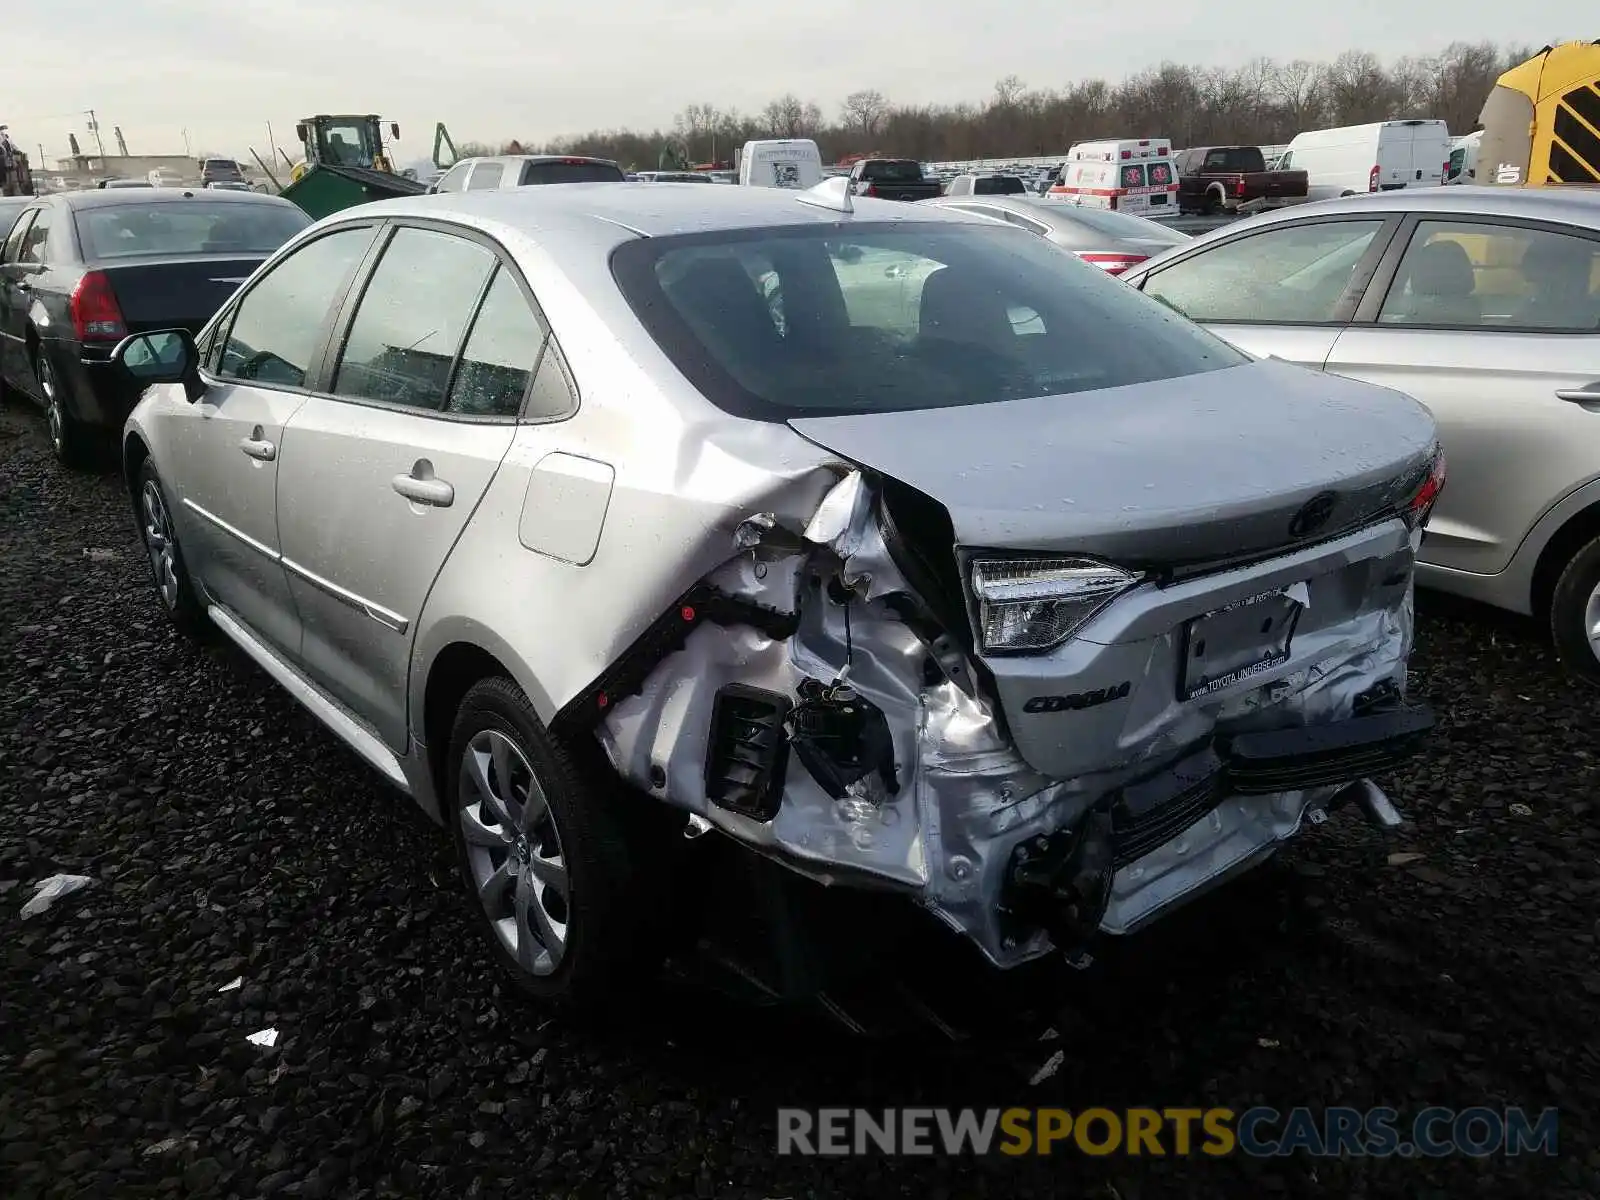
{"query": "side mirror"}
[(300, 131), (161, 356), (394, 130)]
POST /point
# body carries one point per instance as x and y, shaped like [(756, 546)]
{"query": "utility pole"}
[(94, 128)]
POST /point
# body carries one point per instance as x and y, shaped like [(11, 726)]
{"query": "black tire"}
[(1212, 204), (609, 936), (69, 441), (1573, 615), (158, 535)]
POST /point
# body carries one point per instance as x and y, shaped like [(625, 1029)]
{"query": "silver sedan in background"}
[(1115, 242), (1483, 303), (948, 567)]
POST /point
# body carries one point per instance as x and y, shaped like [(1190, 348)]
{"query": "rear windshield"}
[(221, 164), (186, 227), (572, 172), (998, 185), (891, 170), (880, 317)]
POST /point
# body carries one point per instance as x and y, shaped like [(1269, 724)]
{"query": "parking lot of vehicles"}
[(855, 656), (1213, 179), (1484, 303), (81, 270)]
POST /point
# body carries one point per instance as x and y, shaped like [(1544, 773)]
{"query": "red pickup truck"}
[(1213, 179)]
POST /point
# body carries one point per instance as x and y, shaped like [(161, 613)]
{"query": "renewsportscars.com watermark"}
[(1478, 1132)]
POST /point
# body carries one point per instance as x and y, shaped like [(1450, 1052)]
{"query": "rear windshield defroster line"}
[(830, 319)]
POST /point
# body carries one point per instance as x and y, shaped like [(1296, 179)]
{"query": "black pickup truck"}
[(1215, 179), (891, 179)]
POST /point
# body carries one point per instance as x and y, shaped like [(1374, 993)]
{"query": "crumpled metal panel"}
[(967, 796)]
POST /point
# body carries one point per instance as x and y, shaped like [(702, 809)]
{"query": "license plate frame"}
[(1237, 641)]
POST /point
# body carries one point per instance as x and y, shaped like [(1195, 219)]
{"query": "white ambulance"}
[(1127, 175)]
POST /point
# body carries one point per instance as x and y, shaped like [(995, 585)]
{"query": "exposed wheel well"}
[(1577, 533), (134, 452), (458, 667)]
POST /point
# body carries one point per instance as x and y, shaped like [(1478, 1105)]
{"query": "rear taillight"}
[(1238, 188), (1417, 509), (1372, 180), (96, 316), (1444, 172), (1113, 204), (1111, 263), (868, 189)]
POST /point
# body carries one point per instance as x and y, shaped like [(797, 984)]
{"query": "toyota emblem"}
[(1313, 515)]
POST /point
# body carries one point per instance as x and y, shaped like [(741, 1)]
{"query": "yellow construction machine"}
[(343, 141), (1541, 122)]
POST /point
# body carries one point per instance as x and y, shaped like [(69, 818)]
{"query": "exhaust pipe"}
[(1378, 809)]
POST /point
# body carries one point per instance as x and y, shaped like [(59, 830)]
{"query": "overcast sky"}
[(495, 69)]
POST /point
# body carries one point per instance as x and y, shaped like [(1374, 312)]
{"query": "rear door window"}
[(411, 319), (485, 176), (501, 353), (1462, 273), (1132, 175)]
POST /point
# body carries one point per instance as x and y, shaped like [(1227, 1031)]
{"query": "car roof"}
[(571, 158), (99, 197), (1579, 206), (601, 212)]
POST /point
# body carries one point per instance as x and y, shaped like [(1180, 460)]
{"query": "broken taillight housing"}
[(1416, 510), (1038, 603)]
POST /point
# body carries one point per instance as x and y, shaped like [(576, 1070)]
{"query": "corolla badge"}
[(1313, 515)]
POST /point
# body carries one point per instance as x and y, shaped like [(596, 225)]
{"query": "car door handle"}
[(259, 447), (1584, 395), (421, 487)]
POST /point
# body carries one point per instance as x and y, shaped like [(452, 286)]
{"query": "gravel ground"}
[(228, 836)]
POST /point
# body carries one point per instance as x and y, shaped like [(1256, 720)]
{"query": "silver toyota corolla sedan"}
[(900, 547), (1484, 304)]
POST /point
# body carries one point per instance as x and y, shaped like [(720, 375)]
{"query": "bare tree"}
[(1008, 91), (864, 111), (1261, 102), (1298, 89), (788, 116)]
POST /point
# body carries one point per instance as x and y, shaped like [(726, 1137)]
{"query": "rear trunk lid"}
[(1188, 472), (176, 293)]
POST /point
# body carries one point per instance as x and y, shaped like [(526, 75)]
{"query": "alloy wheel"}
[(55, 415), (158, 543), (1591, 621), (514, 852)]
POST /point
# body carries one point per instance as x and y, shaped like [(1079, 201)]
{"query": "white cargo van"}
[(1464, 159), (781, 162), (1380, 157), (1127, 175)]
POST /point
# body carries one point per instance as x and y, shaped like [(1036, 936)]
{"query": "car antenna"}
[(836, 203)]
